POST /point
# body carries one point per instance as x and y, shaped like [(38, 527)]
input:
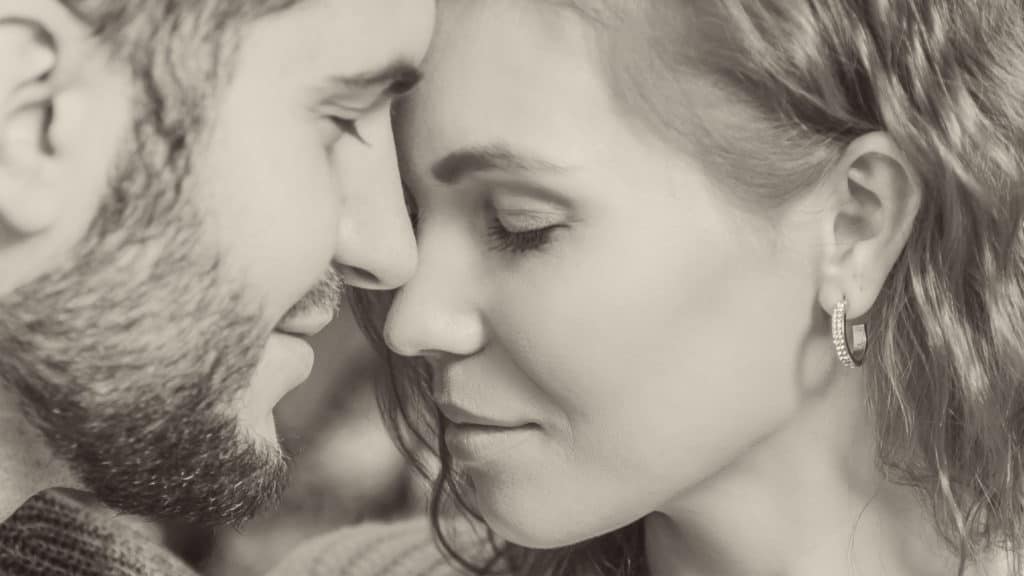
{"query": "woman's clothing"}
[(405, 548)]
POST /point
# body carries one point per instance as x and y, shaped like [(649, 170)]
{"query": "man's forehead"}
[(360, 42)]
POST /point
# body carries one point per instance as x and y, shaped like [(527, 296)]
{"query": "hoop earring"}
[(850, 355)]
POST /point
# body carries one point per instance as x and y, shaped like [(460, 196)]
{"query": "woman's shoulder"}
[(397, 548)]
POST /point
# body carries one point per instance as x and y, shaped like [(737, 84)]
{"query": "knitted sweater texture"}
[(53, 535), (404, 548)]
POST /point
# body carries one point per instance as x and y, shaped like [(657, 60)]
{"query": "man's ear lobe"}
[(876, 196), (28, 61)]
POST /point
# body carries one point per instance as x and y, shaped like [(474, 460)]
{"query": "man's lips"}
[(306, 323)]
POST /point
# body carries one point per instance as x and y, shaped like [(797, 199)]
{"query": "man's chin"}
[(259, 427), (263, 429), (248, 480)]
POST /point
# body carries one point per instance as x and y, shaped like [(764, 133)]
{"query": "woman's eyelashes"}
[(503, 240), (518, 232), (509, 226)]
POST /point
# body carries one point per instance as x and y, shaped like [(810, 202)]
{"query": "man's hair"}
[(793, 83), (180, 54), (172, 41), (125, 352)]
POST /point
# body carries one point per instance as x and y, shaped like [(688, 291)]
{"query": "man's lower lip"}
[(307, 325), (298, 350), (477, 444)]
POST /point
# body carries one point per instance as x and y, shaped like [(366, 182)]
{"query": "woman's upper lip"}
[(463, 417)]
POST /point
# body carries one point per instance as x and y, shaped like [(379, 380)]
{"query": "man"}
[(176, 179)]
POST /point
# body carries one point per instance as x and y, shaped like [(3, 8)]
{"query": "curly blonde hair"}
[(792, 83)]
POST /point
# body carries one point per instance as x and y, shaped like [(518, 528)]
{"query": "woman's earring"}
[(850, 354)]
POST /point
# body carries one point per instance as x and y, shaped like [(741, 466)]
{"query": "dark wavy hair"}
[(792, 83)]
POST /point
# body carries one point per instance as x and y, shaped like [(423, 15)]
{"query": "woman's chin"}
[(539, 526)]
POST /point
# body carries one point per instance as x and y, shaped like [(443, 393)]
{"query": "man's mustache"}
[(327, 295)]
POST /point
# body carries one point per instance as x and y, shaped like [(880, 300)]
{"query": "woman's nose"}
[(436, 312)]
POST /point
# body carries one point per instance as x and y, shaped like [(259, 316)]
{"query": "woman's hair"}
[(767, 94)]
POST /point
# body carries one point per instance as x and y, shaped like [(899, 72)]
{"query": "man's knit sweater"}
[(53, 535)]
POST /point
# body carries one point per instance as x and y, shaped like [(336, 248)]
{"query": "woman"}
[(724, 287)]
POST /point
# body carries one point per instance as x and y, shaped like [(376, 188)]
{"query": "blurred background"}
[(345, 468)]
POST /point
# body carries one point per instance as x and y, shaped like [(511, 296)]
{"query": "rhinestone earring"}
[(851, 355)]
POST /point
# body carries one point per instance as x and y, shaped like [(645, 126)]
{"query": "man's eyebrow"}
[(461, 163), (396, 78)]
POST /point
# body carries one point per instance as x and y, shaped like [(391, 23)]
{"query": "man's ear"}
[(875, 195), (59, 109), (29, 56), (66, 109)]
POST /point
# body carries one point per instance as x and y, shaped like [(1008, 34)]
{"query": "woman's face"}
[(608, 327)]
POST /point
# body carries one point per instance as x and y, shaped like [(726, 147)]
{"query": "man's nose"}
[(375, 247)]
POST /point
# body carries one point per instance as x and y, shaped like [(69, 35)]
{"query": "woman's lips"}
[(477, 444), (461, 416), (474, 438)]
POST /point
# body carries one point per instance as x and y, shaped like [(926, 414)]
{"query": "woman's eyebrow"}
[(466, 161)]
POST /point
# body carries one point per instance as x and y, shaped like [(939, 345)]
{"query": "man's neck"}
[(27, 466)]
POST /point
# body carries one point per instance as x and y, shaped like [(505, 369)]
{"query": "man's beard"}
[(132, 360)]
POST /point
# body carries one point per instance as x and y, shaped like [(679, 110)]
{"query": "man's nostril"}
[(359, 277)]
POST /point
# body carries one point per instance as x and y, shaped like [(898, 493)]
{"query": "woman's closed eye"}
[(521, 231)]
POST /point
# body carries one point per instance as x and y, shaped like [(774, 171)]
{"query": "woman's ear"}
[(875, 195)]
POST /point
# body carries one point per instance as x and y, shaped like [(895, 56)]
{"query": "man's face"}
[(152, 359), (300, 168)]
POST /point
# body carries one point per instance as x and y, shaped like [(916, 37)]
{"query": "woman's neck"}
[(808, 499)]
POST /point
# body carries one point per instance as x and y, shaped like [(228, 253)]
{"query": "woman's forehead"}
[(501, 75)]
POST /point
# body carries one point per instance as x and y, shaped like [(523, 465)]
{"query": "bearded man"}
[(183, 188)]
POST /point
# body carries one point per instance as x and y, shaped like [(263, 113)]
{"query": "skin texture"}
[(657, 283), (615, 337), (150, 350)]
